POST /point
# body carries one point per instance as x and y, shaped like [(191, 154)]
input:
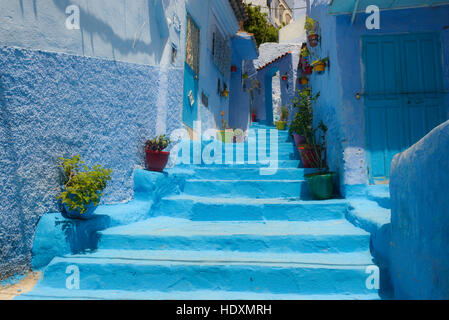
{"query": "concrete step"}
[(244, 209), (231, 173), (48, 293), (276, 163), (247, 188), (331, 236), (185, 270)]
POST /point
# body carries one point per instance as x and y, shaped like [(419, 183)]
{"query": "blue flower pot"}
[(75, 214)]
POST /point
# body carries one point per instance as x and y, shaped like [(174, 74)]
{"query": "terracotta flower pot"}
[(304, 81), (156, 160), (299, 140), (253, 117), (309, 157), (313, 39)]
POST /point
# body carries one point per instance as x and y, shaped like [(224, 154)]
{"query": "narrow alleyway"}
[(231, 234)]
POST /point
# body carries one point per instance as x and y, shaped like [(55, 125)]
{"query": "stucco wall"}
[(119, 30), (419, 187), (60, 105), (341, 41), (327, 108)]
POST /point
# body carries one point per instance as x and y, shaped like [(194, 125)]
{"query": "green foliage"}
[(317, 144), (81, 185), (157, 144), (302, 121), (258, 24), (284, 113), (310, 25)]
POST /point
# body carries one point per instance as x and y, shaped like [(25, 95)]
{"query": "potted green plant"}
[(302, 121), (82, 188), (305, 51), (282, 123), (226, 134), (310, 27), (155, 156), (320, 183)]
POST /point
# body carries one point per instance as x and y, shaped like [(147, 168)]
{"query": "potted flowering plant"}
[(319, 66), (226, 134), (312, 36), (320, 183), (156, 158), (302, 122), (282, 123), (82, 187), (303, 80)]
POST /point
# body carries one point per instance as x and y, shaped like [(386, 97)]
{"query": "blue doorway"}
[(191, 73), (403, 95)]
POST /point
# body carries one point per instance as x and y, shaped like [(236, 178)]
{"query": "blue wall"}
[(419, 187), (60, 105), (208, 14), (121, 30), (341, 42)]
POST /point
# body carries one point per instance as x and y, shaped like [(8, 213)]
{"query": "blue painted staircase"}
[(230, 234)]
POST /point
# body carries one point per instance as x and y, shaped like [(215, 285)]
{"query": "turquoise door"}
[(191, 74), (403, 96)]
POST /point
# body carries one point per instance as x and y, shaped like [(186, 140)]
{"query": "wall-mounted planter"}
[(233, 69), (303, 81), (308, 70), (319, 67), (284, 77), (313, 39)]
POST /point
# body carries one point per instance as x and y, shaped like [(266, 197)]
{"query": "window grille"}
[(192, 45), (221, 53)]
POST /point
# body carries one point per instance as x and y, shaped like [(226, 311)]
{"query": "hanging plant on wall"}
[(225, 92), (311, 29), (319, 66)]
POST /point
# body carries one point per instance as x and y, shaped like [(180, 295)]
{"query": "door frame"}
[(404, 136), (187, 67)]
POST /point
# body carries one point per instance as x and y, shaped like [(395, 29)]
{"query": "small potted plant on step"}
[(226, 134), (320, 183), (282, 123), (82, 189), (156, 158)]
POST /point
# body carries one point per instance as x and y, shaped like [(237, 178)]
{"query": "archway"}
[(268, 84)]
